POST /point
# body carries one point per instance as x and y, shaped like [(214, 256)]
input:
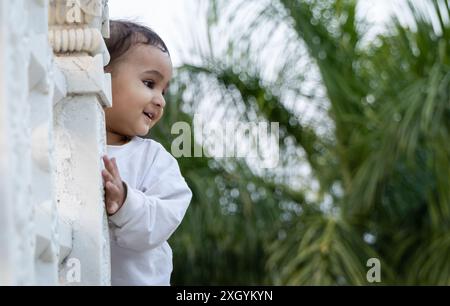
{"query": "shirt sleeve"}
[(149, 217)]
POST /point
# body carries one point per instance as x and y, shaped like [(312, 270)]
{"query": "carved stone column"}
[(75, 33), (31, 235), (53, 226)]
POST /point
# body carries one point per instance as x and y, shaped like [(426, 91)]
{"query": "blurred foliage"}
[(376, 144)]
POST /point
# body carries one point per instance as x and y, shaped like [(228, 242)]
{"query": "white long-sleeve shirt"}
[(157, 199)]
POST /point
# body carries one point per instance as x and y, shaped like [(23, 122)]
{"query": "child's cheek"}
[(160, 116)]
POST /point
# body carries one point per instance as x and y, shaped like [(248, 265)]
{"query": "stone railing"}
[(53, 227)]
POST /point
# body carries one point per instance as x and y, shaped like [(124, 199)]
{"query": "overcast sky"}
[(169, 18)]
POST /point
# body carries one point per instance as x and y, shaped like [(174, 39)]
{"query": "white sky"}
[(169, 18), (174, 20)]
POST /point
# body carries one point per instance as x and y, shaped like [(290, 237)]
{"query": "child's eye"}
[(149, 84)]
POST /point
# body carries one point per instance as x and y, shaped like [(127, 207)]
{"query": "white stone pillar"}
[(75, 33), (40, 98), (16, 205), (51, 139), (32, 237)]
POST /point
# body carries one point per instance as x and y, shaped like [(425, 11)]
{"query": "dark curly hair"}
[(125, 34)]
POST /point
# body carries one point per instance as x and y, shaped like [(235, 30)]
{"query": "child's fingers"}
[(112, 207), (111, 196), (108, 164), (105, 160), (107, 176), (115, 168), (113, 190), (111, 186)]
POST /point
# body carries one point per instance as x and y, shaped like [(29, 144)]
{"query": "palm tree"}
[(232, 216), (367, 117)]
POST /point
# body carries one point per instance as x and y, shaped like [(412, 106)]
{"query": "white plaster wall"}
[(52, 138), (5, 196), (17, 207)]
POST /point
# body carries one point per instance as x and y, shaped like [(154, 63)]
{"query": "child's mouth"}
[(149, 115)]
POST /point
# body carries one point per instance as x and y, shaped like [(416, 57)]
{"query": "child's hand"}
[(115, 190)]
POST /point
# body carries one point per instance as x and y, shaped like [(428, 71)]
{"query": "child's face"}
[(139, 82)]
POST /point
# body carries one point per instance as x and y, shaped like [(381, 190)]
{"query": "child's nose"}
[(159, 101)]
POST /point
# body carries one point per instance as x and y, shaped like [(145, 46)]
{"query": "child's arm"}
[(147, 219)]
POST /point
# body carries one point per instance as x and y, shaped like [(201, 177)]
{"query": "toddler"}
[(146, 196)]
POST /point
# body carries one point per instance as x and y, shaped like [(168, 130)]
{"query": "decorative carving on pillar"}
[(78, 25), (76, 30)]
